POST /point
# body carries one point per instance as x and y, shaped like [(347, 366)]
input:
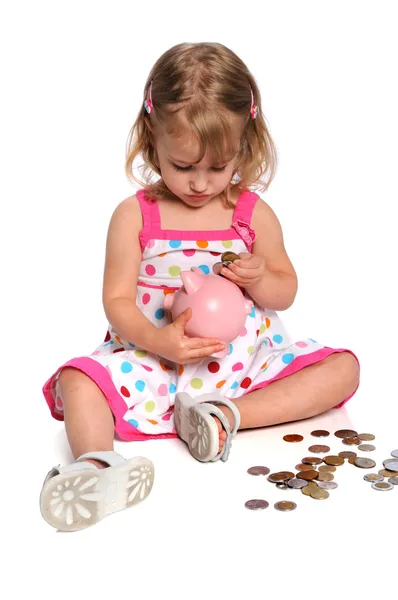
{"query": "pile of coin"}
[(314, 476)]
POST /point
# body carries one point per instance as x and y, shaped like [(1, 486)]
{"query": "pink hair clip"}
[(148, 102), (254, 107)]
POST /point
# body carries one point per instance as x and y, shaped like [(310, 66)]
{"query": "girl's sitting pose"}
[(202, 131)]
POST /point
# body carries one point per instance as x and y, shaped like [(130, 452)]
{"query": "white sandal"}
[(194, 423), (78, 495)]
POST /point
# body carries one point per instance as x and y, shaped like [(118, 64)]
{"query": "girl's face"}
[(189, 181)]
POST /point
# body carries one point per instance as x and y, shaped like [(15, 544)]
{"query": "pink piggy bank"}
[(219, 308)]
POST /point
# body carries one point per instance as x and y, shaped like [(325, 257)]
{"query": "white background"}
[(72, 81)]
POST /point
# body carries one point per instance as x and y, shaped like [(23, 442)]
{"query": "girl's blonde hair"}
[(207, 81)]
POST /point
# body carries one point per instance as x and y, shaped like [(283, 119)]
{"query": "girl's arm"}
[(277, 288), (122, 263)]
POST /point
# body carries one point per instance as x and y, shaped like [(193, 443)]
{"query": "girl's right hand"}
[(173, 344)]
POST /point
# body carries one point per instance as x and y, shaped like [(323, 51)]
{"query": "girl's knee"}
[(70, 375)]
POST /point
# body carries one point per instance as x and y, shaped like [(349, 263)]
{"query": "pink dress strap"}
[(242, 217), (150, 217)]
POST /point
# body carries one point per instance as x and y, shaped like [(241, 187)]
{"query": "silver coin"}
[(373, 477), (382, 487), (364, 463), (391, 464), (297, 484), (393, 480), (327, 485), (282, 486), (258, 471), (394, 453), (366, 447), (256, 504)]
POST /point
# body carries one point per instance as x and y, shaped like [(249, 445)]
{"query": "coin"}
[(311, 460), (318, 448), (374, 477), (229, 256), (391, 464), (285, 506), (345, 433), (393, 480), (387, 473), (256, 504), (325, 476), (280, 477), (351, 441), (258, 471), (366, 437), (320, 433), (297, 484), (394, 453), (352, 460), (308, 488), (327, 469), (282, 486), (364, 463), (307, 475), (383, 486), (302, 467), (319, 494), (333, 460), (366, 447), (348, 454), (327, 485), (293, 437)]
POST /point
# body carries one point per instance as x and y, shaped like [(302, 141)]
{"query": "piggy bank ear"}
[(192, 280), (168, 301), (248, 306)]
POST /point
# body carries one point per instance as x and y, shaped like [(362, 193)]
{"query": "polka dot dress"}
[(139, 386)]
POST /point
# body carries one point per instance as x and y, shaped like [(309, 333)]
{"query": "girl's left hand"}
[(246, 271)]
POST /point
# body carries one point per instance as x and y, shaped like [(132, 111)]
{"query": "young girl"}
[(202, 131)]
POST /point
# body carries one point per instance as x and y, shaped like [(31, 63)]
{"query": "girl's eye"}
[(217, 170)]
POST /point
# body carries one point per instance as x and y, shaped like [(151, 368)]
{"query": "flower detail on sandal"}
[(140, 482), (247, 234), (67, 498), (200, 439)]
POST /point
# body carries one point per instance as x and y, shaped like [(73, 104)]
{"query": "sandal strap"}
[(232, 407), (213, 410), (109, 457)]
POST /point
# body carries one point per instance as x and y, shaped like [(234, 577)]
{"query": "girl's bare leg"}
[(89, 421), (311, 391)]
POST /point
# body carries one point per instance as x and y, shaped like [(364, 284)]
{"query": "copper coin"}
[(280, 477), (258, 471), (348, 454), (319, 449), (373, 477), (364, 463), (311, 460), (293, 437), (393, 480), (387, 473), (366, 437), (383, 486), (320, 433), (256, 504), (325, 477), (366, 447), (336, 461), (285, 506), (302, 467), (307, 475), (352, 460), (217, 267), (319, 494), (326, 469), (351, 441), (345, 433), (229, 256)]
